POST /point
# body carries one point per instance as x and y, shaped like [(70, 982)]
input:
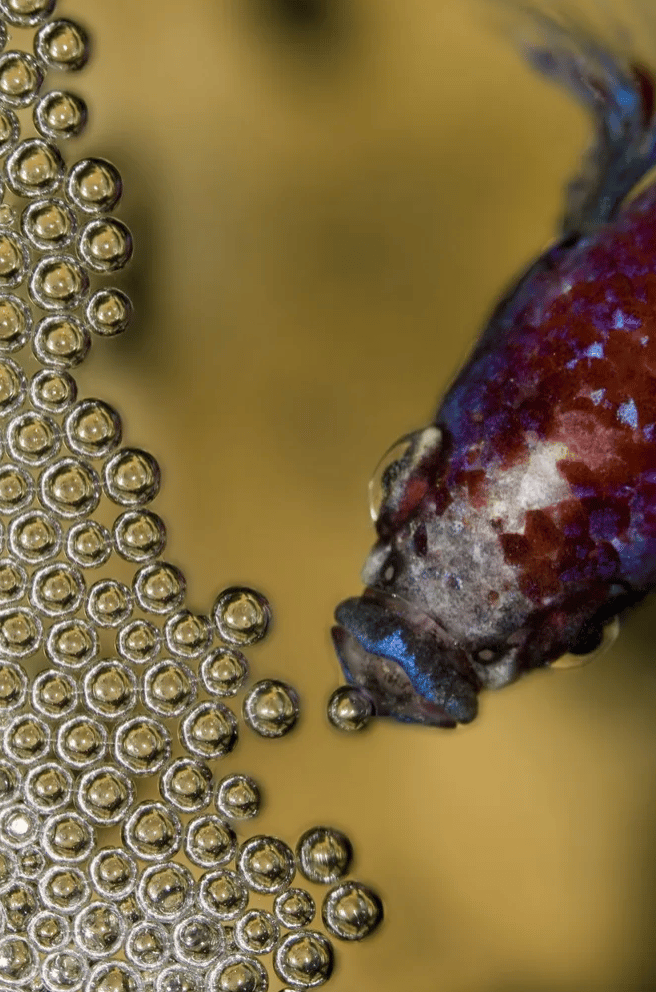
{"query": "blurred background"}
[(327, 197)]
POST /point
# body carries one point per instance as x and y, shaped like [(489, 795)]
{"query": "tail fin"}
[(601, 72)]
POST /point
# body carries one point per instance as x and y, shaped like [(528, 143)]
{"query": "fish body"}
[(514, 528)]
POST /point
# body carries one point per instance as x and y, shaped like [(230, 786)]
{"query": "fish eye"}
[(600, 640), (401, 457)]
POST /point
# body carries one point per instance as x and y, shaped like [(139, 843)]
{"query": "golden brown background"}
[(326, 200)]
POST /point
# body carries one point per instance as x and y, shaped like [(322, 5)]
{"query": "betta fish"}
[(516, 527)]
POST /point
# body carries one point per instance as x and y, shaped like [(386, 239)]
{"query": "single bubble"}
[(187, 785), (242, 616), (33, 439), (9, 130), (148, 945), (142, 745), (165, 892), (169, 688), (109, 603), (222, 894), (19, 825), (57, 590), (152, 832), (159, 587), (16, 489), (110, 690), (13, 581), (180, 978), (304, 959), (18, 961), (72, 643), (62, 44), (113, 976), (33, 536), (61, 341), (223, 672), (20, 633), (64, 971), (20, 79), (48, 787), (19, 904), (99, 930), (139, 535), (131, 477), (271, 708), (187, 634), (10, 783), (70, 488), (12, 386), (49, 931), (94, 185), (58, 282), (267, 864), (209, 730), (324, 855), (26, 739), (104, 795), (15, 315), (26, 13), (131, 910), (63, 888), (31, 862), (294, 908), (257, 932), (238, 797), (35, 167), (113, 873), (352, 911), (138, 642), (59, 115), (13, 687), (197, 941), (109, 312), (54, 693), (350, 709), (48, 224), (81, 741), (68, 837), (89, 544), (8, 871), (53, 391), (209, 841), (14, 262), (238, 973), (104, 244)]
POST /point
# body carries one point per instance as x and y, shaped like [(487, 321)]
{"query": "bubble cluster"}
[(127, 858)]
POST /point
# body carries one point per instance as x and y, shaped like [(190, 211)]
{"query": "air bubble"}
[(99, 930), (61, 341), (93, 429), (324, 855), (64, 889), (169, 688), (14, 261), (59, 115), (223, 672), (139, 535), (110, 690), (109, 603), (67, 837), (131, 477), (113, 976), (9, 130), (109, 312), (238, 797), (15, 315), (165, 892), (238, 973), (104, 795), (142, 745), (18, 961), (10, 781), (152, 832), (209, 841), (58, 282), (19, 826), (72, 643), (242, 616), (350, 709), (33, 439), (26, 13), (64, 971), (35, 167), (16, 489), (139, 642), (257, 932), (33, 536), (57, 589), (187, 634), (147, 946), (48, 224), (19, 904), (89, 544), (12, 387), (70, 488), (187, 785), (105, 244), (48, 787), (62, 44), (352, 911), (271, 708), (295, 908), (26, 739), (81, 742), (94, 186), (209, 730), (180, 978), (31, 862), (197, 941), (304, 959), (20, 79), (20, 633), (49, 931), (53, 391), (13, 582), (222, 894), (267, 864), (13, 687), (113, 873), (54, 694), (159, 588)]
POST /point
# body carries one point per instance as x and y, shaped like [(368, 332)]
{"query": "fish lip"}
[(405, 660)]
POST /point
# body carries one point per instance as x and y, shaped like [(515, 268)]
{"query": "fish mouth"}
[(404, 660)]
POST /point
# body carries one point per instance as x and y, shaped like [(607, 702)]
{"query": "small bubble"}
[(350, 709), (113, 976), (71, 643), (48, 224), (13, 687), (32, 862), (19, 826), (223, 672), (33, 439), (238, 797), (113, 873), (57, 589), (165, 892), (238, 973), (61, 341), (94, 186), (70, 488), (304, 959), (12, 387), (26, 13), (209, 730), (20, 633), (64, 889), (132, 477), (209, 841), (15, 315), (68, 837), (294, 908), (58, 282), (109, 603), (54, 693), (222, 894), (16, 489), (14, 262), (9, 129), (179, 978), (242, 616), (324, 855), (187, 634), (257, 932), (152, 832), (53, 391), (35, 167), (110, 690), (26, 739), (81, 742), (19, 903), (142, 745), (169, 688), (49, 931), (187, 785), (10, 780), (62, 44), (105, 244), (48, 787), (59, 115), (93, 429), (64, 971), (159, 587), (104, 795), (18, 961), (20, 79), (197, 941), (271, 708), (138, 642), (33, 537), (109, 312), (99, 930), (139, 535), (267, 864), (89, 544)]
